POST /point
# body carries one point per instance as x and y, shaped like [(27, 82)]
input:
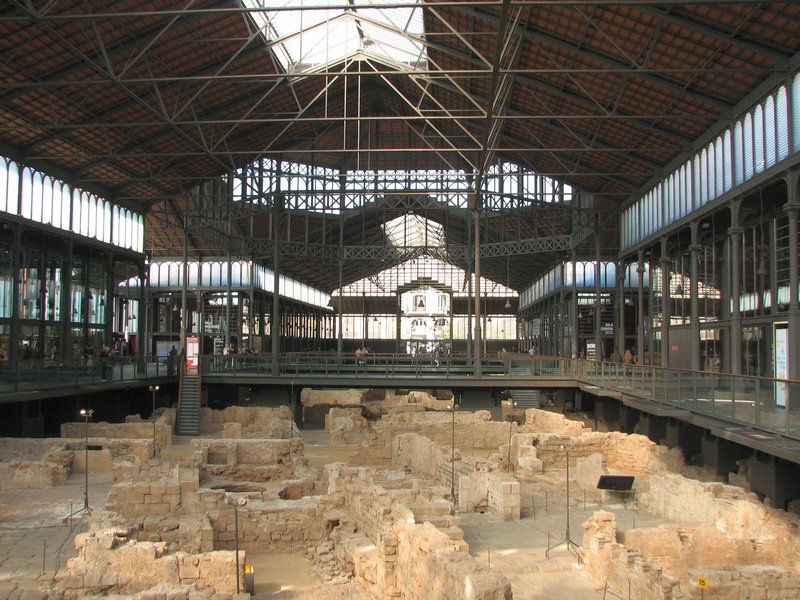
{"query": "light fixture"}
[(421, 303), (374, 319), (508, 303), (679, 290), (762, 270), (86, 413), (153, 389)]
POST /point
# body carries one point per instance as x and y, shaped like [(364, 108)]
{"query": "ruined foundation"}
[(398, 518)]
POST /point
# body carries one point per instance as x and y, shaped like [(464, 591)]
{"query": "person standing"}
[(616, 357)]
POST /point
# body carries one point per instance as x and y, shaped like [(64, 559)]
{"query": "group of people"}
[(361, 353), (629, 358)]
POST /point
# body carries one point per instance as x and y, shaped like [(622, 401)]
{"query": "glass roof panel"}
[(413, 230), (306, 39)]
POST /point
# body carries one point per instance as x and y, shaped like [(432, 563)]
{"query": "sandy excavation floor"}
[(36, 539)]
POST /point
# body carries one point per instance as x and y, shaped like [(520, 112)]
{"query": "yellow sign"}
[(702, 583)]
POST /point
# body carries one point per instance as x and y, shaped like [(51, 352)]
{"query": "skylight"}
[(414, 230), (303, 40)]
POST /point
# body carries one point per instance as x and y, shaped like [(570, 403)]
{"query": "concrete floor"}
[(37, 531)]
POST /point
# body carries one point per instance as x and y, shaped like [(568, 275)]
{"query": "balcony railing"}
[(769, 405)]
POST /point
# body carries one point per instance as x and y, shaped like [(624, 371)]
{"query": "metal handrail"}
[(763, 403)]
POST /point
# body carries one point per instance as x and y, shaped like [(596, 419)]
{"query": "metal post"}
[(153, 389), (86, 413), (510, 428), (453, 454), (236, 527)]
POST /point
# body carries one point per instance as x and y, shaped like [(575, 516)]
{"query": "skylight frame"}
[(304, 40)]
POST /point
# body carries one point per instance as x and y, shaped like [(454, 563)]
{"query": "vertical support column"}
[(477, 353), (792, 209), (342, 203), (275, 332), (185, 325), (451, 321), (364, 320), (229, 302), (598, 299), (65, 308), (251, 313), (339, 339), (734, 265), (573, 312), (619, 329), (694, 301), (398, 316), (144, 333), (16, 261), (469, 293), (665, 301), (108, 301), (640, 307)]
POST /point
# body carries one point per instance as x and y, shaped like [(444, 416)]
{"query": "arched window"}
[(749, 150), (698, 184), (759, 157), (216, 273), (738, 152), (26, 197), (139, 245), (727, 162), (76, 210), (796, 112), (782, 124), (719, 168), (9, 185), (115, 219), (65, 205), (770, 141), (46, 206), (93, 217)]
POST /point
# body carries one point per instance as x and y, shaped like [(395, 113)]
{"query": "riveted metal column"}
[(477, 354), (16, 261), (620, 324), (792, 209), (65, 310), (666, 263), (640, 307), (598, 298), (694, 301), (186, 326), (573, 311), (734, 265), (276, 333)]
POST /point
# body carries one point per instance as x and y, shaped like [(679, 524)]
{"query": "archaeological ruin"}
[(401, 496)]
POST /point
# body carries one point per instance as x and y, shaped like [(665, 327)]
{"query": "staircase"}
[(189, 404), (526, 398)]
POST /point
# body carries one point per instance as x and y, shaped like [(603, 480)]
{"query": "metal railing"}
[(29, 375), (771, 405), (363, 366)]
